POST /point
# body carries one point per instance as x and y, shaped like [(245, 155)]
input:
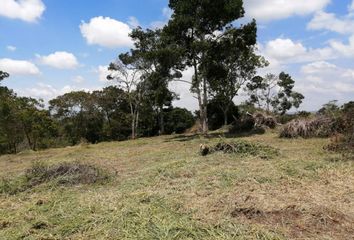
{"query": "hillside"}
[(161, 188)]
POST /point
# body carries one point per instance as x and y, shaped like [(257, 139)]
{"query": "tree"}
[(178, 120), (194, 25), (112, 103), (79, 116), (274, 93), (37, 124), (156, 60), (231, 63), (128, 74), (3, 75)]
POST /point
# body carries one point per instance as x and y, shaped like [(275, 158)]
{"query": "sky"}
[(52, 47)]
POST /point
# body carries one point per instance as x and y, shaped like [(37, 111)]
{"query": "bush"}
[(307, 128), (178, 120), (244, 124)]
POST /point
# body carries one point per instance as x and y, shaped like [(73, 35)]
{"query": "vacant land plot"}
[(162, 188)]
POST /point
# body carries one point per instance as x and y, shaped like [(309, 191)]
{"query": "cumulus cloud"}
[(60, 60), (106, 32), (102, 72), (47, 92), (11, 48), (318, 67), (323, 81), (329, 21), (18, 67), (26, 10), (346, 50), (281, 9), (283, 51)]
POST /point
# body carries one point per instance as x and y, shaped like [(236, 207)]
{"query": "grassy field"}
[(161, 188)]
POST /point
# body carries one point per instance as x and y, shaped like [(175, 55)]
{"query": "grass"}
[(163, 189)]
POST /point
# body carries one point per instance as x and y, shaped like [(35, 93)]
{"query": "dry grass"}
[(311, 127), (164, 189)]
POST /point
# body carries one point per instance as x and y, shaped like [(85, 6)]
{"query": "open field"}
[(161, 188)]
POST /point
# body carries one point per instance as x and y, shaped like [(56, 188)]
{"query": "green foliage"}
[(274, 93), (178, 120), (217, 117), (245, 148)]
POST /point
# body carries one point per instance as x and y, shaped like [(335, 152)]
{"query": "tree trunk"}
[(205, 108), (226, 120), (162, 122), (132, 113)]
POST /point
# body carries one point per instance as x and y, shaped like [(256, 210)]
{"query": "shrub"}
[(178, 120), (244, 124)]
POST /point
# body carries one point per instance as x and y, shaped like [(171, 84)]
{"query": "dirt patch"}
[(300, 223)]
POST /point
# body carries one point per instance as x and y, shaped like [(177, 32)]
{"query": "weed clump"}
[(244, 148), (68, 174)]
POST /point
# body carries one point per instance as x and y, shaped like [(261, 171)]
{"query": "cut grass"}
[(164, 189)]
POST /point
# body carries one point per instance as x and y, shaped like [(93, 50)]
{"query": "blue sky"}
[(51, 47)]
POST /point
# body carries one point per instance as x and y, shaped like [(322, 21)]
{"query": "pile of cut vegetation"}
[(253, 124), (68, 174), (343, 141), (320, 126), (241, 147), (264, 120)]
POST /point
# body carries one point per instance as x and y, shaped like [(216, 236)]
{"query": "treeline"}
[(80, 116)]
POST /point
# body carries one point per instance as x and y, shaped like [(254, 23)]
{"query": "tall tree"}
[(231, 63), (194, 25), (145, 72), (157, 59), (274, 93), (128, 74)]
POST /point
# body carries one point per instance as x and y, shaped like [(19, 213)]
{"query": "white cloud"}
[(329, 21), (346, 50), (351, 7), (282, 51), (18, 67), (106, 32), (26, 10), (280, 9), (48, 92), (11, 48), (318, 67), (60, 60), (167, 12), (103, 72), (79, 79), (323, 81)]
